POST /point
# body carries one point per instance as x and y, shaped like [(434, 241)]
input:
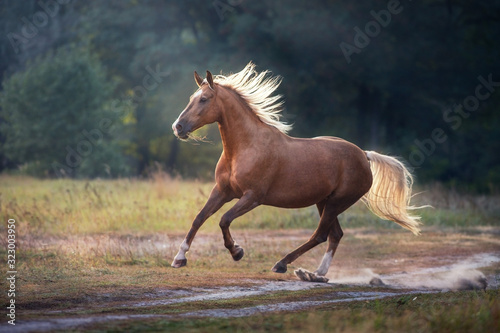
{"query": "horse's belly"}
[(297, 192), (291, 202)]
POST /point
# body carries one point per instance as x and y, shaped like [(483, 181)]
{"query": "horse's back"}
[(332, 150), (309, 170)]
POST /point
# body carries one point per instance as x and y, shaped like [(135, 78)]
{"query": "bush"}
[(59, 118)]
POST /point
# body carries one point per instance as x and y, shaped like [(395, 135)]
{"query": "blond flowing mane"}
[(256, 89)]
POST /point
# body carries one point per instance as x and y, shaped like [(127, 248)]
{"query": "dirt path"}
[(461, 275), (79, 322)]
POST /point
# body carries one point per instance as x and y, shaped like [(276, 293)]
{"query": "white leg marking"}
[(182, 251), (325, 264)]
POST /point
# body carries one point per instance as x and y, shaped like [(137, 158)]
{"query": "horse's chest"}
[(250, 170)]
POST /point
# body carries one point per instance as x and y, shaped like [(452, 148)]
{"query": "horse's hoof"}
[(238, 254), (178, 263), (307, 276), (279, 267)]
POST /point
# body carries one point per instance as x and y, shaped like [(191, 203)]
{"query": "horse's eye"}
[(203, 99)]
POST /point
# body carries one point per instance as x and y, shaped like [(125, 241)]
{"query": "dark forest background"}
[(91, 88)]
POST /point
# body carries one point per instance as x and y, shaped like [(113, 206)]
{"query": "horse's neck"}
[(239, 127)]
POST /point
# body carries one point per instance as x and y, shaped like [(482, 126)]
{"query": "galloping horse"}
[(262, 165)]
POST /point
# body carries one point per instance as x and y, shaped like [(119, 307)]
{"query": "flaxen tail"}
[(390, 194)]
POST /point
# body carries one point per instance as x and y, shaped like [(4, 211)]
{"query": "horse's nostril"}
[(178, 127)]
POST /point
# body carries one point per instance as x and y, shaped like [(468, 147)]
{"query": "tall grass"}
[(165, 204)]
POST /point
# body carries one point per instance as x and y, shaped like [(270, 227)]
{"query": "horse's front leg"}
[(216, 200), (244, 205)]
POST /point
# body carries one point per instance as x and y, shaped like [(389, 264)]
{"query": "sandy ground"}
[(383, 263)]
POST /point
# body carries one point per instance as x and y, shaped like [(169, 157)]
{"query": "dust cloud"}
[(463, 275)]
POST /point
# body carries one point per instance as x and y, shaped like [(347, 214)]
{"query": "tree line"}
[(90, 89)]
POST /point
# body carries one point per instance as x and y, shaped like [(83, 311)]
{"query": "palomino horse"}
[(261, 165)]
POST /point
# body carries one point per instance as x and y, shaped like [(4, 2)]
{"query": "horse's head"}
[(201, 109)]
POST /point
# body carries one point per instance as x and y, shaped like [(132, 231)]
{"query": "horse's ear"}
[(198, 79), (210, 80)]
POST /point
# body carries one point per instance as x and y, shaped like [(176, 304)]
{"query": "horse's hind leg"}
[(334, 237), (320, 235)]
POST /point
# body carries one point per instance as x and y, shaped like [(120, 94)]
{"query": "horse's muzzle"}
[(180, 130)]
